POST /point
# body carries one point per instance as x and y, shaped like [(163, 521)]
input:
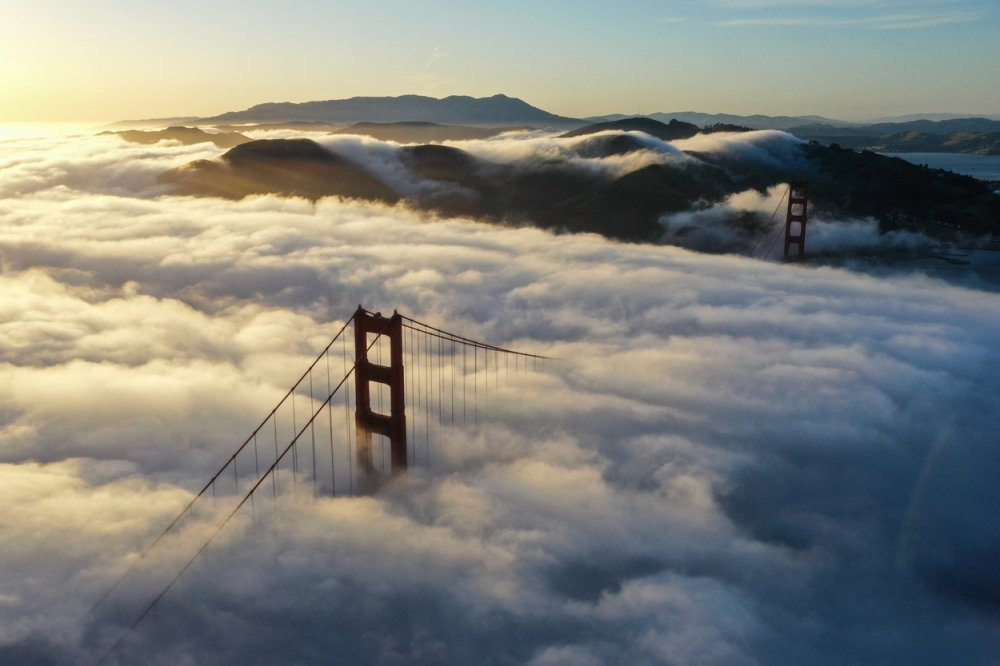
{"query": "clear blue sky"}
[(111, 59)]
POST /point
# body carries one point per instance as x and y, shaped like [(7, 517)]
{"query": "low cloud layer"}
[(736, 462)]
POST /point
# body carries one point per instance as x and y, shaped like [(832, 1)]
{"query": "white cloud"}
[(91, 163), (736, 461)]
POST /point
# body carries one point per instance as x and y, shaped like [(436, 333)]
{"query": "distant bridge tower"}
[(795, 221), (393, 424)]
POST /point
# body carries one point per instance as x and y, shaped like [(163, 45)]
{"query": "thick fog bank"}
[(735, 461)]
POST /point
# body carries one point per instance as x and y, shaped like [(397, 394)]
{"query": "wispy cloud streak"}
[(907, 21)]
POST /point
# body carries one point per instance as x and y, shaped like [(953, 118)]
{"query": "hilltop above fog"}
[(616, 182), (935, 134), (187, 136)]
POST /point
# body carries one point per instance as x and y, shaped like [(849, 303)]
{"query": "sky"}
[(68, 60), (734, 461)]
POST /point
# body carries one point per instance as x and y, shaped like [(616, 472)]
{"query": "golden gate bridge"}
[(367, 408)]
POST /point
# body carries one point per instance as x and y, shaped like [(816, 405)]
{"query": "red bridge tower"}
[(795, 221), (393, 424)]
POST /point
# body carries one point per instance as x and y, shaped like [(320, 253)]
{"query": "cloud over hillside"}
[(614, 182)]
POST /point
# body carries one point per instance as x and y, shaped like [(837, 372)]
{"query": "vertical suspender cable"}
[(329, 414)]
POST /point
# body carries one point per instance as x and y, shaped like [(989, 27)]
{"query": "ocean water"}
[(985, 167)]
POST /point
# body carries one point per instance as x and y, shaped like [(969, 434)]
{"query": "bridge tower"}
[(795, 220), (368, 421)]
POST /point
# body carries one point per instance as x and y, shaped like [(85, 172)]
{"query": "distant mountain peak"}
[(499, 109)]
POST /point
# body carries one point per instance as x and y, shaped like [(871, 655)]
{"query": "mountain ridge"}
[(455, 109), (755, 121)]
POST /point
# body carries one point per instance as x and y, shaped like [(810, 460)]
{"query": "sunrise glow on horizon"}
[(71, 61)]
